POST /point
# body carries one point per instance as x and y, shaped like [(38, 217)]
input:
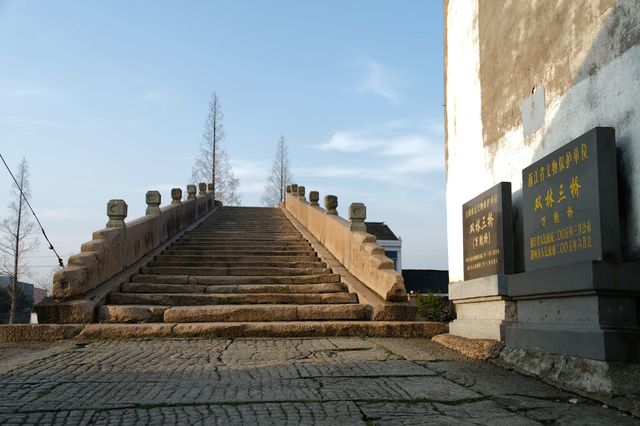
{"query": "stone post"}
[(294, 189), (176, 196), (301, 192), (357, 215), (331, 204), (117, 212), (288, 189), (314, 197), (191, 192), (203, 188), (153, 199)]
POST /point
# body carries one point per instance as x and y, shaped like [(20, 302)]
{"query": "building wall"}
[(393, 245), (584, 54)]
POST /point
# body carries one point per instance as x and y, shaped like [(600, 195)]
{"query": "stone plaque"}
[(488, 235), (570, 203)]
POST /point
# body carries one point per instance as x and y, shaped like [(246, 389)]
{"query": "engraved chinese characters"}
[(488, 236), (569, 203)]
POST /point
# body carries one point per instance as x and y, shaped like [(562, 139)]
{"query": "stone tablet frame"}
[(494, 256), (570, 203)]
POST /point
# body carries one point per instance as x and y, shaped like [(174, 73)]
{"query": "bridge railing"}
[(119, 247), (347, 241)]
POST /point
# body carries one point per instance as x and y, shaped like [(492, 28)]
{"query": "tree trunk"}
[(16, 258)]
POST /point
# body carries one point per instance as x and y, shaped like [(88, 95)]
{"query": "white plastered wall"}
[(608, 97)]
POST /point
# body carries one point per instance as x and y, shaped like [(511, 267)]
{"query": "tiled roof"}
[(380, 231)]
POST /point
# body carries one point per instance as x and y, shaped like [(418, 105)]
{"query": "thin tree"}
[(275, 189), (17, 237), (212, 163)]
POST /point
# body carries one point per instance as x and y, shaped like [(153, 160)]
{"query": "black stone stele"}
[(570, 203), (487, 233)]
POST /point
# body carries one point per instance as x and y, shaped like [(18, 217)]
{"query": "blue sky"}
[(108, 100)]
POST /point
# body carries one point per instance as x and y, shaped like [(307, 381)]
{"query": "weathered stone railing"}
[(119, 246), (347, 241)]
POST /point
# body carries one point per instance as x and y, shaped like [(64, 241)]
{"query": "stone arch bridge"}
[(195, 267)]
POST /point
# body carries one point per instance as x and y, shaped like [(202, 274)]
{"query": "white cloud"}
[(250, 169), (383, 81), (413, 149), (347, 141), (154, 96)]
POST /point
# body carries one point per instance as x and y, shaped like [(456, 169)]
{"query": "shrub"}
[(432, 307)]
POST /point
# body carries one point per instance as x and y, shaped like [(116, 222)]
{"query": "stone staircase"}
[(243, 264)]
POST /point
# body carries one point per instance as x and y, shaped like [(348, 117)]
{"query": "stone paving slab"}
[(343, 380)]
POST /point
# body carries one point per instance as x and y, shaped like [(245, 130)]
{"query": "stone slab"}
[(582, 276), (586, 342), (38, 332), (488, 233), (492, 285), (570, 203), (280, 381), (480, 349), (478, 328)]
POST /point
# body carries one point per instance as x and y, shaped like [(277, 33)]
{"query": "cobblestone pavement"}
[(276, 381)]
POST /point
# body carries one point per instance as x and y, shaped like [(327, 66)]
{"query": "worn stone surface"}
[(277, 381), (357, 252), (481, 349), (38, 332)]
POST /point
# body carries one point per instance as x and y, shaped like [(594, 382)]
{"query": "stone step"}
[(186, 299), (242, 243), (226, 252), (176, 258), (240, 262), (410, 329), (232, 288), (191, 271), (241, 313), (236, 280), (247, 235), (231, 313), (239, 247)]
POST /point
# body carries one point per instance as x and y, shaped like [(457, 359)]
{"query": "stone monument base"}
[(587, 309), (482, 307)]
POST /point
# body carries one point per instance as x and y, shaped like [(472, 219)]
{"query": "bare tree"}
[(212, 163), (275, 189), (17, 237)]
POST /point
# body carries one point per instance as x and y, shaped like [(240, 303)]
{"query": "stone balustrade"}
[(347, 241), (120, 245)]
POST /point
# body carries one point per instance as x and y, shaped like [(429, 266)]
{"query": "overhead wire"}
[(60, 262)]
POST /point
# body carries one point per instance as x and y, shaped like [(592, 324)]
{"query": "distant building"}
[(29, 294), (426, 281), (387, 239)]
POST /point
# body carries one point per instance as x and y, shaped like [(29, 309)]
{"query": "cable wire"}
[(60, 262)]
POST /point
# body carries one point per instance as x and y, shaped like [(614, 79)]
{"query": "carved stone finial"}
[(203, 188), (176, 196), (209, 187), (153, 200), (331, 204), (191, 192), (357, 215), (314, 197), (294, 189), (288, 189), (301, 192), (117, 212)]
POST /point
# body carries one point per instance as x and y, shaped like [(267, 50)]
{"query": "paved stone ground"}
[(275, 381)]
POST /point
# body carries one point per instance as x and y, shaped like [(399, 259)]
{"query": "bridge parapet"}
[(117, 248), (347, 241)]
